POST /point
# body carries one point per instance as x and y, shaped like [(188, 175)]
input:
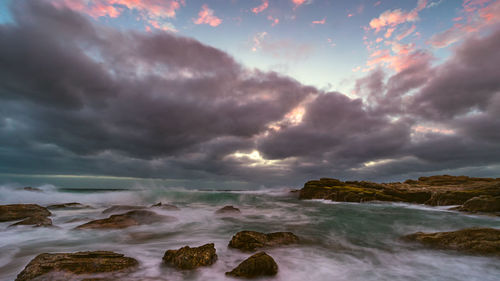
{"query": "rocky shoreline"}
[(477, 195)]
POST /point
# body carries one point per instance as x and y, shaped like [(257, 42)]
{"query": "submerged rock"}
[(29, 188), (31, 213), (168, 207), (190, 258), (483, 203), (132, 218), (76, 263), (228, 209), (121, 208), (251, 240), (72, 205), (260, 264), (480, 241)]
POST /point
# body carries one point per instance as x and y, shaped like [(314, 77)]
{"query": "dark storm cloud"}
[(81, 98)]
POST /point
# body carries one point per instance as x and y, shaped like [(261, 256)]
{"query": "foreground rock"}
[(168, 207), (228, 210), (30, 214), (132, 218), (483, 203), (251, 240), (480, 241), (72, 205), (435, 190), (122, 208), (191, 258), (258, 265), (76, 263), (35, 221)]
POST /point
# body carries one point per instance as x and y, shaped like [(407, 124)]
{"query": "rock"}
[(251, 240), (132, 218), (228, 209), (76, 263), (483, 203), (29, 188), (480, 241), (36, 221), (21, 211), (190, 258), (260, 264), (72, 205), (168, 207), (121, 208)]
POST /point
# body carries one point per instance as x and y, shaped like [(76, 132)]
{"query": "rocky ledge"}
[(252, 240), (132, 218), (479, 241), (191, 258), (435, 191), (76, 264), (258, 265), (30, 214)]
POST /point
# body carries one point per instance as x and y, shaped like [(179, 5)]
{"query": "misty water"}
[(339, 241)]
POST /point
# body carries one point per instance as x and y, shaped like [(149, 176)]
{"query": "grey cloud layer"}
[(80, 98)]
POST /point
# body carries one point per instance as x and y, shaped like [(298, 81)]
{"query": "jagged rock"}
[(132, 218), (228, 209), (483, 203), (480, 241), (76, 263), (260, 264), (190, 258), (36, 221), (251, 240), (168, 207), (21, 211), (72, 205), (121, 208)]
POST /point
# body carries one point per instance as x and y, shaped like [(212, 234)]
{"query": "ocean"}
[(339, 241)]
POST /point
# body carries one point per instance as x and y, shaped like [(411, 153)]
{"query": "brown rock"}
[(36, 221), (228, 209), (132, 218), (121, 208), (76, 263), (260, 264), (480, 241), (190, 258), (29, 188), (251, 240), (72, 205), (168, 207), (483, 203), (21, 211)]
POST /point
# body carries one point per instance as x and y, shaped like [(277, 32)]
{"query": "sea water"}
[(339, 241)]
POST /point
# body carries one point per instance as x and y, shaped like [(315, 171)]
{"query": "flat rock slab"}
[(36, 221), (72, 205), (21, 211), (251, 240), (479, 241), (228, 210), (191, 258), (132, 218), (76, 263), (258, 265)]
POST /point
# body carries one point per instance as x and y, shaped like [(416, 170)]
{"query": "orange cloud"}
[(396, 17), (298, 3), (323, 21), (206, 16), (406, 33), (389, 32), (261, 7)]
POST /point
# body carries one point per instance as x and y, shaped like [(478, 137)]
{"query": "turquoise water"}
[(339, 241)]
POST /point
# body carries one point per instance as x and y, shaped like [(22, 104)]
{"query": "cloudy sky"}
[(254, 92)]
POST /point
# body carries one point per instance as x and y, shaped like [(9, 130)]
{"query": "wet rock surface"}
[(252, 240), (72, 205), (21, 211), (228, 210), (76, 263), (258, 265), (122, 208), (191, 258), (483, 203), (479, 241), (132, 218), (168, 207), (35, 221)]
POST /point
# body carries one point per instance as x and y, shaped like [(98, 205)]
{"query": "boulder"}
[(168, 207), (121, 208), (21, 211), (36, 221), (483, 203), (228, 209), (258, 265), (191, 258), (251, 240), (132, 218), (72, 205), (76, 263), (480, 241)]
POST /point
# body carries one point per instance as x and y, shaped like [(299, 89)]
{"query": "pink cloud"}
[(206, 16), (393, 18), (377, 3), (389, 32), (406, 33), (274, 21), (261, 7), (298, 3), (323, 21)]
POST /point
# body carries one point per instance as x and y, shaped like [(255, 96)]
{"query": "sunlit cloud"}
[(392, 18), (207, 16), (323, 21), (261, 7)]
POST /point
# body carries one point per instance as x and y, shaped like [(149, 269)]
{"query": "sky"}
[(254, 93)]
